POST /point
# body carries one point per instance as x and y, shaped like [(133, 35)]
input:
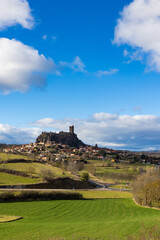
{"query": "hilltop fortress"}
[(66, 138)]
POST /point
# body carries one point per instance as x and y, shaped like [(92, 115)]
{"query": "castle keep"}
[(67, 138)]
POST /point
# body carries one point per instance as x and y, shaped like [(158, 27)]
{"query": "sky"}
[(92, 64)]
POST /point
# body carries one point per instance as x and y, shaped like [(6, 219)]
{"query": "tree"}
[(47, 175), (85, 176), (31, 170), (74, 167), (146, 188)]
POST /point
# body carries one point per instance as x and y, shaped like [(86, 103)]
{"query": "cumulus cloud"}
[(138, 26), (21, 66), (112, 130), (76, 65), (13, 12), (14, 135), (106, 73)]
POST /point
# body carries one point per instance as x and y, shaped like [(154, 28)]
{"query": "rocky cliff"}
[(66, 138)]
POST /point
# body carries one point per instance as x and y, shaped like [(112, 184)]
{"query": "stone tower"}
[(71, 129)]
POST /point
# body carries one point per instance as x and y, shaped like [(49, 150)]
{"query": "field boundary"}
[(16, 172), (144, 205)]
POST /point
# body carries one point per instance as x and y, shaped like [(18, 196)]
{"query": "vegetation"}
[(146, 188), (47, 175), (85, 176), (9, 179), (6, 156), (80, 219), (36, 172), (98, 169), (147, 234), (38, 195), (6, 218), (98, 194)]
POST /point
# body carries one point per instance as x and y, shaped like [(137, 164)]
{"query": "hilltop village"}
[(59, 147), (63, 146)]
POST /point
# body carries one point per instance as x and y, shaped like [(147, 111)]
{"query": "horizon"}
[(92, 65)]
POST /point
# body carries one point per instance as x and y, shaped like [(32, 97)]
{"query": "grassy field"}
[(32, 169), (6, 218), (105, 194), (76, 219), (9, 179), (106, 171), (117, 173), (6, 156)]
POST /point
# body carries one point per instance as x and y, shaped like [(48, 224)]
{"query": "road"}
[(100, 187)]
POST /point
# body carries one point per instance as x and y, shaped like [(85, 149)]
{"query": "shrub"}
[(125, 176), (38, 195), (85, 176), (47, 175)]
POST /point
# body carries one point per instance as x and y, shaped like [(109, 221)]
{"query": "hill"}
[(66, 138)]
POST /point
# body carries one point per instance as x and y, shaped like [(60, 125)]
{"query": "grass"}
[(9, 179), (6, 218), (76, 219), (105, 194), (32, 169), (6, 156), (120, 186), (110, 172)]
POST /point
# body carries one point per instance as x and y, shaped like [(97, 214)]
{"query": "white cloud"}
[(76, 65), (111, 130), (13, 12), (138, 132), (138, 26), (14, 135), (44, 37), (104, 116), (21, 66), (106, 73)]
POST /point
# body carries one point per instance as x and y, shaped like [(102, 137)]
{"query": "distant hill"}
[(66, 138), (4, 145)]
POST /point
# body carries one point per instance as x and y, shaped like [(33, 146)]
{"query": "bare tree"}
[(146, 188), (47, 175), (74, 166), (31, 170)]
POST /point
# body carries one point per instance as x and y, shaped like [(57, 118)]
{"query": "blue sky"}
[(94, 64)]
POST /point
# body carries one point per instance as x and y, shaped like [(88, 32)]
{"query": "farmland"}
[(28, 166), (77, 219), (100, 215), (20, 169)]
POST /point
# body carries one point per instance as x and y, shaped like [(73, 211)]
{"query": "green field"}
[(104, 194), (106, 171), (76, 219), (6, 156), (9, 179), (32, 169), (6, 218)]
